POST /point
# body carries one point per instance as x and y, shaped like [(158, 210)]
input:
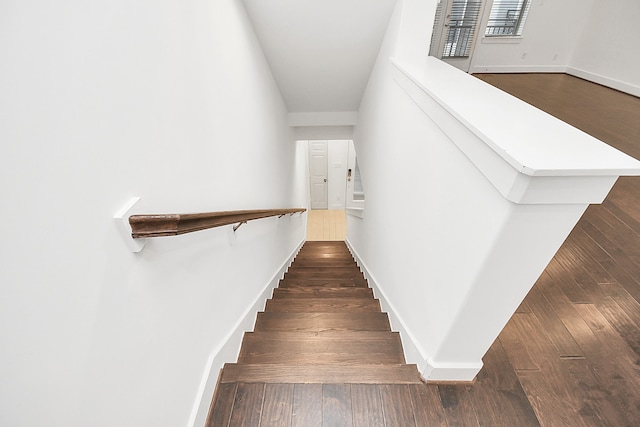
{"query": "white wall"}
[(607, 52), (550, 35), (101, 101)]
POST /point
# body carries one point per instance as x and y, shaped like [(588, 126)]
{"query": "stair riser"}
[(302, 292), (330, 283)]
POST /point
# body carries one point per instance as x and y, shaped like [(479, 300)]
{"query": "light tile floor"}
[(327, 225)]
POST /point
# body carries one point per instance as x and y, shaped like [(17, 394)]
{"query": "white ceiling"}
[(321, 52)]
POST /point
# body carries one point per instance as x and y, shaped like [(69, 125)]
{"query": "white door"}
[(337, 173), (454, 31), (318, 174)]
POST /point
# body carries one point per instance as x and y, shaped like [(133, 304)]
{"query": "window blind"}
[(507, 17), (461, 27)]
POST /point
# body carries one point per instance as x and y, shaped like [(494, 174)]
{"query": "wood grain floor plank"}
[(366, 406), (628, 330), (247, 406), (427, 406), (552, 326), (518, 354), (614, 362), (600, 402), (618, 234), (568, 260), (629, 305), (621, 203), (557, 272), (617, 263), (551, 387), (277, 409), (307, 405), (396, 405), (222, 405), (551, 408), (497, 396), (458, 406), (336, 405), (590, 254)]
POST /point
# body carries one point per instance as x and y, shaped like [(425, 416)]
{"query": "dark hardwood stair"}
[(322, 325)]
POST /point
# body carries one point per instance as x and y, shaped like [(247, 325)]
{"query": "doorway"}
[(454, 31), (332, 174)]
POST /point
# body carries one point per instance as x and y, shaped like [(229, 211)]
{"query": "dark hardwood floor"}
[(570, 355)]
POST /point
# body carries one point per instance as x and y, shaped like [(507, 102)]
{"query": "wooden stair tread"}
[(320, 336), (314, 273), (328, 282), (318, 357), (322, 292), (322, 321), (321, 347), (302, 260), (322, 304), (347, 269), (327, 374)]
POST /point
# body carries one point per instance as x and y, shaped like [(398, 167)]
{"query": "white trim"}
[(357, 212), (605, 81), (229, 347), (462, 372), (413, 351), (612, 83), (478, 69)]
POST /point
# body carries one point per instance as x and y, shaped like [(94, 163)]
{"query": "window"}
[(507, 18), (460, 28)]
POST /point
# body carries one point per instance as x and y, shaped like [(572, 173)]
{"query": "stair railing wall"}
[(488, 186)]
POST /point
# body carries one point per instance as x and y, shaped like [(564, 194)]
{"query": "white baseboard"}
[(413, 352), (517, 69), (451, 372), (631, 89), (605, 81), (228, 349)]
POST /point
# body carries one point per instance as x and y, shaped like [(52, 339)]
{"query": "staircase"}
[(322, 326)]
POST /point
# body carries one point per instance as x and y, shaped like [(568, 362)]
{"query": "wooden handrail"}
[(143, 226)]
